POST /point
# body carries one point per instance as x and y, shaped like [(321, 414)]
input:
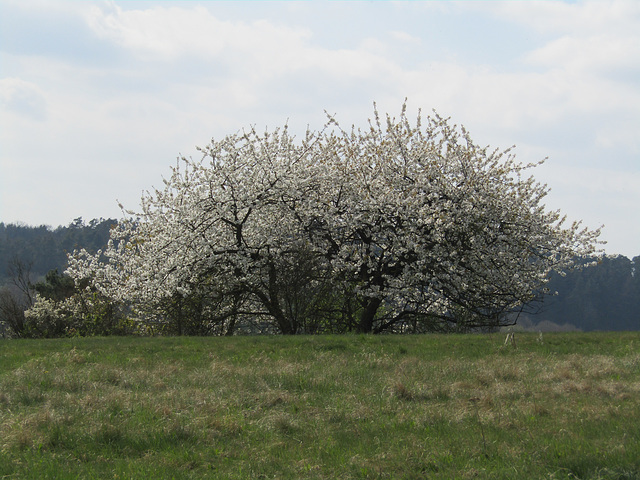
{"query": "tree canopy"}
[(399, 226)]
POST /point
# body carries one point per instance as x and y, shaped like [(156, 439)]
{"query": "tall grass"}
[(413, 407)]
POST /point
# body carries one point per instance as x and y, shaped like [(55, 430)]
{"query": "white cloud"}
[(23, 97), (405, 37), (168, 32), (598, 196), (581, 17), (592, 38), (598, 53)]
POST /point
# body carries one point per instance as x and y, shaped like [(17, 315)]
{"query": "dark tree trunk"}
[(368, 315)]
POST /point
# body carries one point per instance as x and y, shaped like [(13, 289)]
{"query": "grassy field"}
[(332, 407)]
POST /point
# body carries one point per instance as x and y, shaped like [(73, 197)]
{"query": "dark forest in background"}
[(44, 248), (605, 296), (601, 297)]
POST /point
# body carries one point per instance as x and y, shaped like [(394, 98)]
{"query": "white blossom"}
[(410, 221)]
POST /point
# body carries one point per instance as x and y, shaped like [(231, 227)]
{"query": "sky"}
[(99, 98)]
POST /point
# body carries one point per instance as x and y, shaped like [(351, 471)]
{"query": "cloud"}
[(249, 66), (581, 17), (405, 37), (165, 33), (598, 53), (51, 30), (23, 98), (598, 196), (588, 36)]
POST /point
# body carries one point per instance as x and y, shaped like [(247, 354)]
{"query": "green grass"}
[(412, 407)]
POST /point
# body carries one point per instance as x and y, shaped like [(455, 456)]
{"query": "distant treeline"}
[(44, 248), (601, 297), (605, 296)]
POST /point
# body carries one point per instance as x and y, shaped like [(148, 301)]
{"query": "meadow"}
[(561, 406)]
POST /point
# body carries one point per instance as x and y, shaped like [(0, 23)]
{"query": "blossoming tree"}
[(398, 225)]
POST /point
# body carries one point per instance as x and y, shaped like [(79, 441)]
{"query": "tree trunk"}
[(368, 315)]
